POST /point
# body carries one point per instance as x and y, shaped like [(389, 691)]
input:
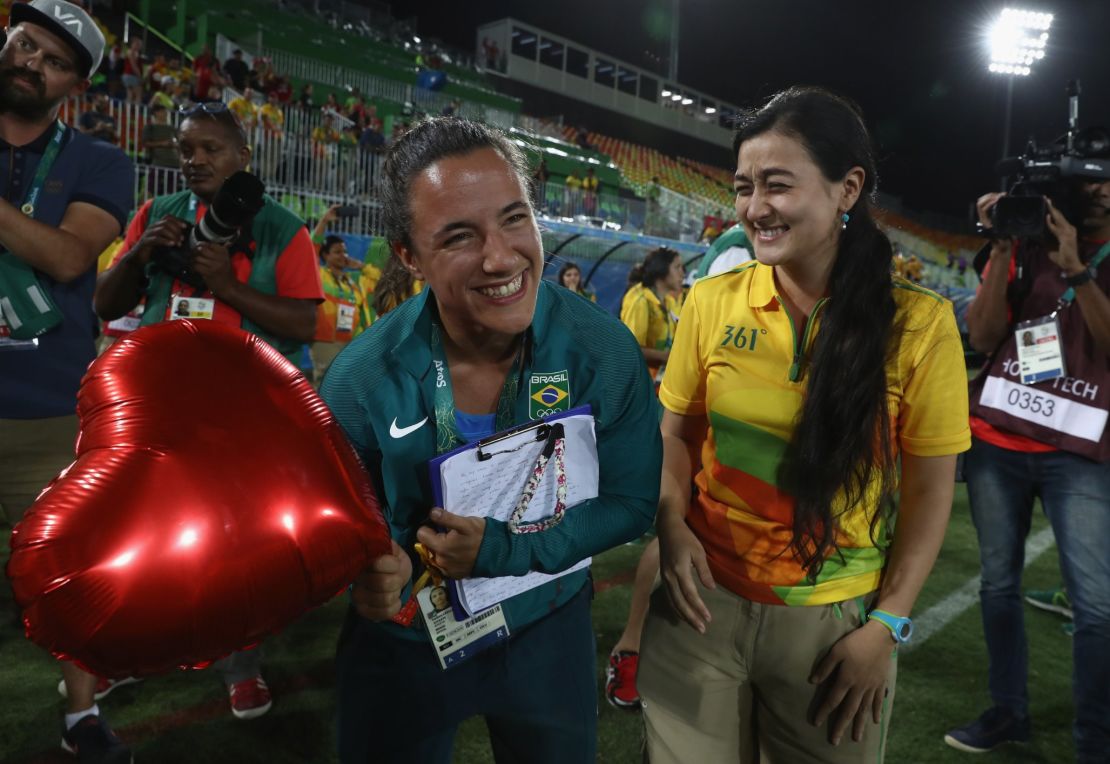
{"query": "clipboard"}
[(481, 458)]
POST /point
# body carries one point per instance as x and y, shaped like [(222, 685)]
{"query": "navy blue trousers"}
[(537, 692)]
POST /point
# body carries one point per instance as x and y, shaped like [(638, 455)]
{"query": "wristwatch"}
[(1080, 278), (901, 629)]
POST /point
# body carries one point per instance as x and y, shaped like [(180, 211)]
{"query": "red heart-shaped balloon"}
[(213, 500)]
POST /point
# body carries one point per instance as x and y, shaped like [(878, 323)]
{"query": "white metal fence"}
[(306, 175)]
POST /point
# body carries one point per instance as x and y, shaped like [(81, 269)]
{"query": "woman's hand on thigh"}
[(680, 556), (853, 675)]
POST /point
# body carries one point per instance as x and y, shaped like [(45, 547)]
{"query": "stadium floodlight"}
[(416, 39), (687, 101), (710, 110), (676, 97), (666, 94), (1017, 40)]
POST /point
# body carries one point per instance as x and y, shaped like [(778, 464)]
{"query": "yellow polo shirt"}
[(650, 322), (737, 360)]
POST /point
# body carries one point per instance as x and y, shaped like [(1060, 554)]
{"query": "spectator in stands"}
[(132, 76), (457, 211), (283, 88), (325, 133), (304, 100), (179, 72), (582, 139), (570, 276), (160, 97), (266, 282), (353, 102), (160, 138), (98, 121), (452, 108), (271, 116), (399, 129), (237, 70), (244, 109), (590, 190), (271, 119), (572, 194), (371, 138), (51, 248), (782, 605), (331, 105), (1022, 448), (182, 96), (114, 71)]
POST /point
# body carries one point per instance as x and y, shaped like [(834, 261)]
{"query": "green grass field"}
[(184, 717)]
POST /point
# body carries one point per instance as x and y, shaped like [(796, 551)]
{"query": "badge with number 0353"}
[(1039, 350)]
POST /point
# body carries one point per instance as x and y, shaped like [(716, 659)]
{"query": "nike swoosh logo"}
[(400, 432)]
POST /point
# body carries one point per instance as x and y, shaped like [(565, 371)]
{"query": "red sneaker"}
[(250, 698), (620, 680)]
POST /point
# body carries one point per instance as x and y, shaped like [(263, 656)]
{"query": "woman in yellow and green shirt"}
[(341, 315), (817, 387), (644, 308)]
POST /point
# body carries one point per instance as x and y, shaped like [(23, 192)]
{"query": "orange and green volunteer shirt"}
[(342, 314), (732, 361)]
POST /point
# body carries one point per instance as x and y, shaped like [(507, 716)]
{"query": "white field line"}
[(953, 606)]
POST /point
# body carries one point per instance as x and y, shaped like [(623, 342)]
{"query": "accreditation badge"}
[(453, 640), (345, 318), (192, 307), (1039, 350)]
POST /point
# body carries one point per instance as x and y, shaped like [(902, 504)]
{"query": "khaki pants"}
[(741, 692), (32, 453)]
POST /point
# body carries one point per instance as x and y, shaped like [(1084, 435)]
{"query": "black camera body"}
[(178, 261), (1052, 172), (233, 208)]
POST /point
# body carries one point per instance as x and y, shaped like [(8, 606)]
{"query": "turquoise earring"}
[(844, 220)]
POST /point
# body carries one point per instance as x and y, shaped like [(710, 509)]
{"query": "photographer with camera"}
[(221, 250), (222, 246), (63, 198), (1038, 416)]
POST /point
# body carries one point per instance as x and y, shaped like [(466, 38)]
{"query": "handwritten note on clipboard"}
[(486, 479)]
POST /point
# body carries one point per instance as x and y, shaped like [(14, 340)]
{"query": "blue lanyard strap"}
[(45, 165), (447, 430)]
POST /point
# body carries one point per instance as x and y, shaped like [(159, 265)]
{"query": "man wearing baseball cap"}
[(63, 198)]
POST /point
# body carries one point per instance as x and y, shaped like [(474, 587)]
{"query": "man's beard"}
[(28, 105)]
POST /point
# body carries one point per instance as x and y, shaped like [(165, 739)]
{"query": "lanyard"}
[(447, 430), (1067, 297), (45, 165)]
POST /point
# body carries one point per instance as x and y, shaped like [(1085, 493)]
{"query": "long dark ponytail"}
[(842, 440)]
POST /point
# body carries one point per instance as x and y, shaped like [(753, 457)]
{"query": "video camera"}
[(234, 206), (1050, 171)]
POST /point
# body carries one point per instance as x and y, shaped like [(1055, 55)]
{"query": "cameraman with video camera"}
[(1038, 416), (221, 250)]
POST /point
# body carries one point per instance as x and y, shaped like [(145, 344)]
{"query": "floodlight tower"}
[(1017, 41)]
